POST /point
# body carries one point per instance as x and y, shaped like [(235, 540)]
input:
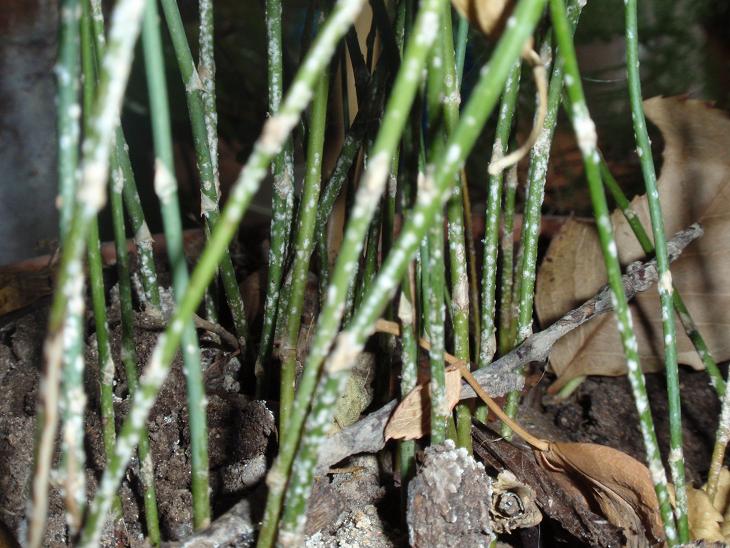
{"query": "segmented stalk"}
[(366, 201), (96, 276), (408, 378), (142, 236), (274, 134), (166, 190), (684, 316), (303, 247), (202, 123), (91, 196), (536, 177), (283, 196), (458, 262), (128, 349), (431, 199), (73, 398), (491, 229), (586, 135), (506, 306), (433, 294), (666, 289)]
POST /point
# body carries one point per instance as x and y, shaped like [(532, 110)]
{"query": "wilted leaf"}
[(412, 418), (694, 186), (613, 481)]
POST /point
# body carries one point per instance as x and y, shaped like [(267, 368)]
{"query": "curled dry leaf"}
[(611, 481), (412, 418), (694, 186)]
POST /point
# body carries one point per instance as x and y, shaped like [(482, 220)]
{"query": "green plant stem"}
[(409, 378), (462, 36), (432, 196), (142, 236), (90, 198), (96, 277), (366, 201), (274, 134), (128, 349), (433, 294), (303, 248), (491, 229), (666, 290), (506, 305), (587, 139), (203, 125), (648, 247), (68, 110), (166, 190), (537, 177), (73, 399), (458, 261), (283, 196)]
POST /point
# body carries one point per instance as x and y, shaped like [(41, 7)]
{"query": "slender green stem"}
[(409, 378), (506, 306), (142, 236), (203, 123), (128, 348), (666, 290), (166, 190), (275, 132), (434, 296), (458, 262), (96, 277), (206, 72), (366, 201), (537, 177), (283, 197), (684, 316), (90, 198), (586, 136), (68, 110), (432, 196), (303, 248), (73, 398), (494, 203)]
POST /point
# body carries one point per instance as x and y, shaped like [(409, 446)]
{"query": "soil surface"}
[(358, 504)]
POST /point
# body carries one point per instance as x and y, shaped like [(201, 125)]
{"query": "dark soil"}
[(359, 502)]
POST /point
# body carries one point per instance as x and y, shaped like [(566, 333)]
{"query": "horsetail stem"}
[(586, 135)]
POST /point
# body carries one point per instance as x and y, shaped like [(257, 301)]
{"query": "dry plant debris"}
[(694, 187)]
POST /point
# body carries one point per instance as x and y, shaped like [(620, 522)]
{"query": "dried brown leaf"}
[(694, 186), (612, 481), (704, 518), (412, 418), (488, 15)]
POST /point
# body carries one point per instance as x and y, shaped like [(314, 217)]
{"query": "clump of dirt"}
[(241, 434)]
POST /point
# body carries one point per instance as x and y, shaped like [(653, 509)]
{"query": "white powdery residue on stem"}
[(377, 173), (665, 282), (428, 29), (275, 132), (165, 184), (194, 83), (585, 129)]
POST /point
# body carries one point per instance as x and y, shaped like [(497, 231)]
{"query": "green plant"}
[(411, 137)]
